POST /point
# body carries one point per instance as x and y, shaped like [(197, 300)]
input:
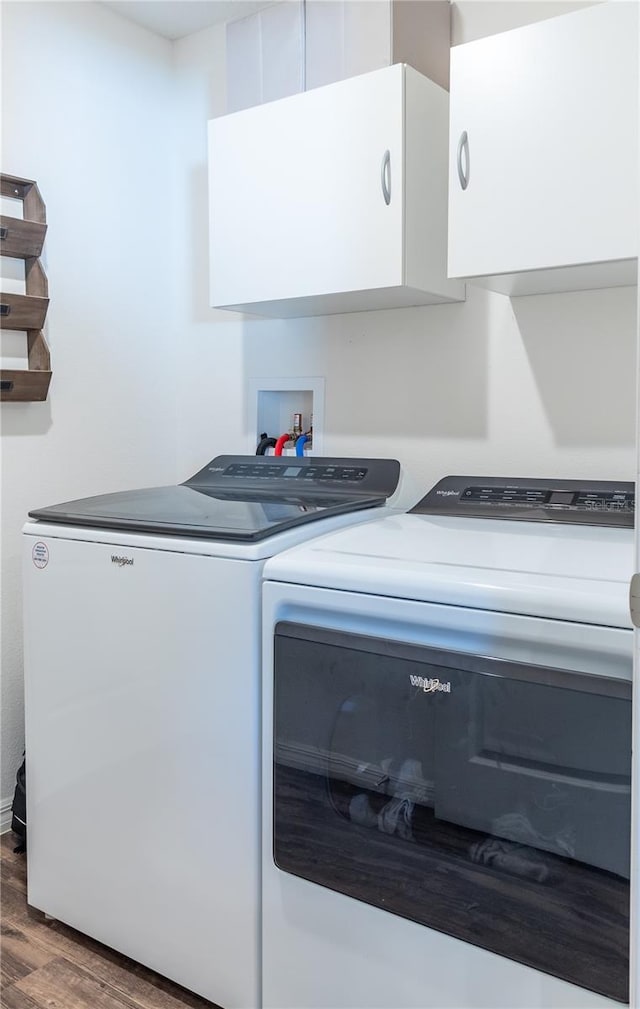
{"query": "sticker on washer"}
[(40, 555)]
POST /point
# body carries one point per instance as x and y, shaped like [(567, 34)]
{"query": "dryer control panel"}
[(594, 502)]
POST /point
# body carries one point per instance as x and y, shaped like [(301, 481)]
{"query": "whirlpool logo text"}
[(120, 560), (430, 686)]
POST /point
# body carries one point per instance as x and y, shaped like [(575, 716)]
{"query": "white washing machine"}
[(142, 649), (447, 754)]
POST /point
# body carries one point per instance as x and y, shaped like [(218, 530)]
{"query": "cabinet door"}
[(550, 115), (297, 193)]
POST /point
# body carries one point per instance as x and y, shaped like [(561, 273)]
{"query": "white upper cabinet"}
[(333, 200), (543, 161)]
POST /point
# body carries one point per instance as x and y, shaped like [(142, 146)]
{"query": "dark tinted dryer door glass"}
[(482, 798)]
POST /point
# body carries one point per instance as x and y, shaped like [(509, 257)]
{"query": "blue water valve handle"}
[(300, 444)]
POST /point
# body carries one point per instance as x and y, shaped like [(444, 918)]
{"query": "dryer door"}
[(484, 798)]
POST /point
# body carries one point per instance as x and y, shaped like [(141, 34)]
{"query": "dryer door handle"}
[(634, 600)]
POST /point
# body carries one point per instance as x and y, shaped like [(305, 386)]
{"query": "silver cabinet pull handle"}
[(463, 145), (385, 177)]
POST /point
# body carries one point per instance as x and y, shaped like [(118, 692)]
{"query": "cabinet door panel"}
[(296, 196), (551, 117)]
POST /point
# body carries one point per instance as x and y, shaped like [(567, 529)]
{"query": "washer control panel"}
[(597, 502), (243, 471), (310, 476)]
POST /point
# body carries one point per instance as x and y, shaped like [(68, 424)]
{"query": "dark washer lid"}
[(242, 498)]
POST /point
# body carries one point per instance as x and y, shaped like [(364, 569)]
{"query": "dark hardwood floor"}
[(46, 965)]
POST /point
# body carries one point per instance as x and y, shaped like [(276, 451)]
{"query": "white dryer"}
[(447, 754), (142, 649)]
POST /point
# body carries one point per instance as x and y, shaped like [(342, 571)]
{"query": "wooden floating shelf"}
[(27, 191), (21, 311), (23, 386), (21, 239)]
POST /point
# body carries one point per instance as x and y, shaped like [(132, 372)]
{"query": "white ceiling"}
[(174, 19)]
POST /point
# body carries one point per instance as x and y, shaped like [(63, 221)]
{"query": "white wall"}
[(538, 386), (87, 113), (210, 385)]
